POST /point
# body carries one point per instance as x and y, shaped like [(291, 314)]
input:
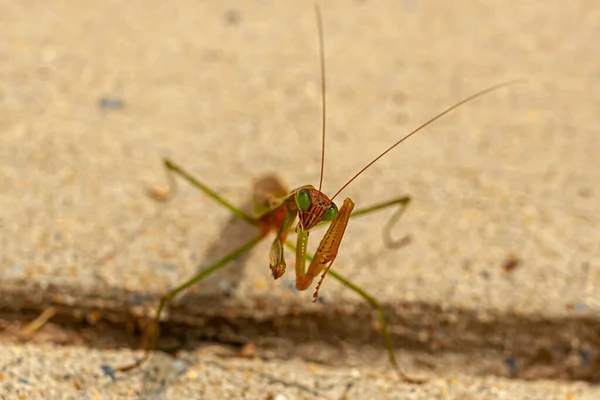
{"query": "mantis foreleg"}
[(327, 251)]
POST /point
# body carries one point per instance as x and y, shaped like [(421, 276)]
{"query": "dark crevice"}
[(532, 347)]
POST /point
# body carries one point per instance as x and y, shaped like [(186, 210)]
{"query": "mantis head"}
[(313, 207)]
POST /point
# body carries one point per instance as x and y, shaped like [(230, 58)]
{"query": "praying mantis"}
[(278, 211)]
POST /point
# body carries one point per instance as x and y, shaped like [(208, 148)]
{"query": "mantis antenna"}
[(429, 122), (323, 102)]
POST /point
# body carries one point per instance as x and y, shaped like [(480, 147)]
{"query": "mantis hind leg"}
[(402, 203), (387, 339), (173, 169), (174, 292)]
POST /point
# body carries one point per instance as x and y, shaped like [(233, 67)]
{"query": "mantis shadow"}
[(223, 282)]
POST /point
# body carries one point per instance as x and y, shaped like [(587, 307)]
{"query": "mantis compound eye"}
[(331, 213), (303, 200)]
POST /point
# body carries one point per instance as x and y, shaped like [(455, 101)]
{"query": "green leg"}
[(172, 168), (387, 339), (402, 203), (174, 292)]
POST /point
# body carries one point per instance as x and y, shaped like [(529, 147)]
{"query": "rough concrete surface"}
[(495, 296)]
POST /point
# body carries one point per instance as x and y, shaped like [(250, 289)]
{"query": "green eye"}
[(303, 199), (331, 213)]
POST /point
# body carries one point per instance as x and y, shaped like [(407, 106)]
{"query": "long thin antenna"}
[(323, 102), (429, 122)]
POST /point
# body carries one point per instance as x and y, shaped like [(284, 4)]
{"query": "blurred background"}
[(502, 274)]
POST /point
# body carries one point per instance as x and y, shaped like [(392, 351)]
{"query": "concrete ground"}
[(495, 296)]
